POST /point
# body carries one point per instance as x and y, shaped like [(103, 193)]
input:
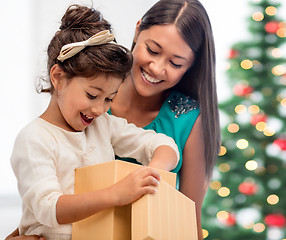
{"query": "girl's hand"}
[(138, 183)]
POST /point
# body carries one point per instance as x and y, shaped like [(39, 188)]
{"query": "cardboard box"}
[(115, 223), (166, 215)]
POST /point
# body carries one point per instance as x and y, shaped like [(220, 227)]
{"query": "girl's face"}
[(81, 100), (160, 59)]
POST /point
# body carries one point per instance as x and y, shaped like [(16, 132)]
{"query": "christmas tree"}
[(247, 197)]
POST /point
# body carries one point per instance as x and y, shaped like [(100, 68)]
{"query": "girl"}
[(86, 69)]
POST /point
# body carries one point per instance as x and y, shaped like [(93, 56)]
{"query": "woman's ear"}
[(57, 76), (137, 30)]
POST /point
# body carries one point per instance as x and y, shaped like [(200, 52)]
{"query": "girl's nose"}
[(98, 109)]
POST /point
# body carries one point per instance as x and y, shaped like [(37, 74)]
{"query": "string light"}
[(259, 227), (261, 126), (253, 109), (276, 52), (268, 131), (215, 185), (278, 70), (271, 10), (222, 151), (239, 109), (223, 192), (246, 64), (242, 143), (224, 167), (205, 233), (281, 32), (257, 16), (233, 128), (251, 165), (272, 199)]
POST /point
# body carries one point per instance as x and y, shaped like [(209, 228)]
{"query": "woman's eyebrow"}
[(177, 56)]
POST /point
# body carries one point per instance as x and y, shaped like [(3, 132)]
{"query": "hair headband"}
[(72, 49)]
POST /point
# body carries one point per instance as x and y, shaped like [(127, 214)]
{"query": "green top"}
[(175, 119)]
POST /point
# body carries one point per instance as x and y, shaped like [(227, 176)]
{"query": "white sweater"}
[(45, 157)]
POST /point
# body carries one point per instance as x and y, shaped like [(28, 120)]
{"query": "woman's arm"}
[(193, 181), (164, 158), (72, 208)]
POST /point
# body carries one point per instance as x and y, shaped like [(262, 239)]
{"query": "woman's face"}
[(160, 59)]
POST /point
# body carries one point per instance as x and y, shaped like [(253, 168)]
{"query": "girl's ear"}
[(137, 30), (57, 76)]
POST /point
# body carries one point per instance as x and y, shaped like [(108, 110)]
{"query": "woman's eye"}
[(151, 51), (175, 65), (108, 99), (90, 96)]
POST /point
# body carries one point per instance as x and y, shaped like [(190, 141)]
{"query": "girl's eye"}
[(175, 65), (90, 96), (150, 50)]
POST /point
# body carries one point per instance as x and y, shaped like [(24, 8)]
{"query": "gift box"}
[(167, 214)]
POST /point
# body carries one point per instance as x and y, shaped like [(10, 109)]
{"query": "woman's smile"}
[(149, 78)]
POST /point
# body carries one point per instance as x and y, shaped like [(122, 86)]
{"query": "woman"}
[(172, 89)]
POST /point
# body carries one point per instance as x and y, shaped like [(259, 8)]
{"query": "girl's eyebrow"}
[(100, 89), (158, 45)]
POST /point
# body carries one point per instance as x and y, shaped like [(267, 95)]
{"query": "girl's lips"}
[(149, 78), (86, 119)]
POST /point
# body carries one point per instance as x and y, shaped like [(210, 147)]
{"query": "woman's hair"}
[(193, 24), (78, 24)]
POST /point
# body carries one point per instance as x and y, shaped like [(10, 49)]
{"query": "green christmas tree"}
[(247, 196)]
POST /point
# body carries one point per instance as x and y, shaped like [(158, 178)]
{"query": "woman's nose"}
[(158, 67)]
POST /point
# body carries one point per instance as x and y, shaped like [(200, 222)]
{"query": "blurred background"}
[(26, 29)]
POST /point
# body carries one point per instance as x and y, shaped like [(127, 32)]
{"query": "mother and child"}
[(169, 87)]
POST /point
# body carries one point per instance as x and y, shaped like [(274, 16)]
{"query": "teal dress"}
[(176, 119)]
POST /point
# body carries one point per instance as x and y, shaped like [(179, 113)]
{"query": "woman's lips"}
[(149, 78)]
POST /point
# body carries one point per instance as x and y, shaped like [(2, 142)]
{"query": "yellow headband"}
[(72, 49)]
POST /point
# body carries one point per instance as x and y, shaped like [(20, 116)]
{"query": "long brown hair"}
[(199, 82), (78, 24)]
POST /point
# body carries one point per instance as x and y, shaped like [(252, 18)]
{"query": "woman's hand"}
[(15, 236), (138, 183)]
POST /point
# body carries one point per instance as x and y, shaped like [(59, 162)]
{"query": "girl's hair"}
[(193, 24), (78, 24)]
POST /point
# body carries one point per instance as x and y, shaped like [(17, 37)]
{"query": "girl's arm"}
[(193, 181), (72, 208)]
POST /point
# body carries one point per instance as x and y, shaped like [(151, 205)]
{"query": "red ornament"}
[(229, 221), (233, 54), (281, 143), (248, 188), (242, 90), (272, 27), (258, 118), (276, 219)]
